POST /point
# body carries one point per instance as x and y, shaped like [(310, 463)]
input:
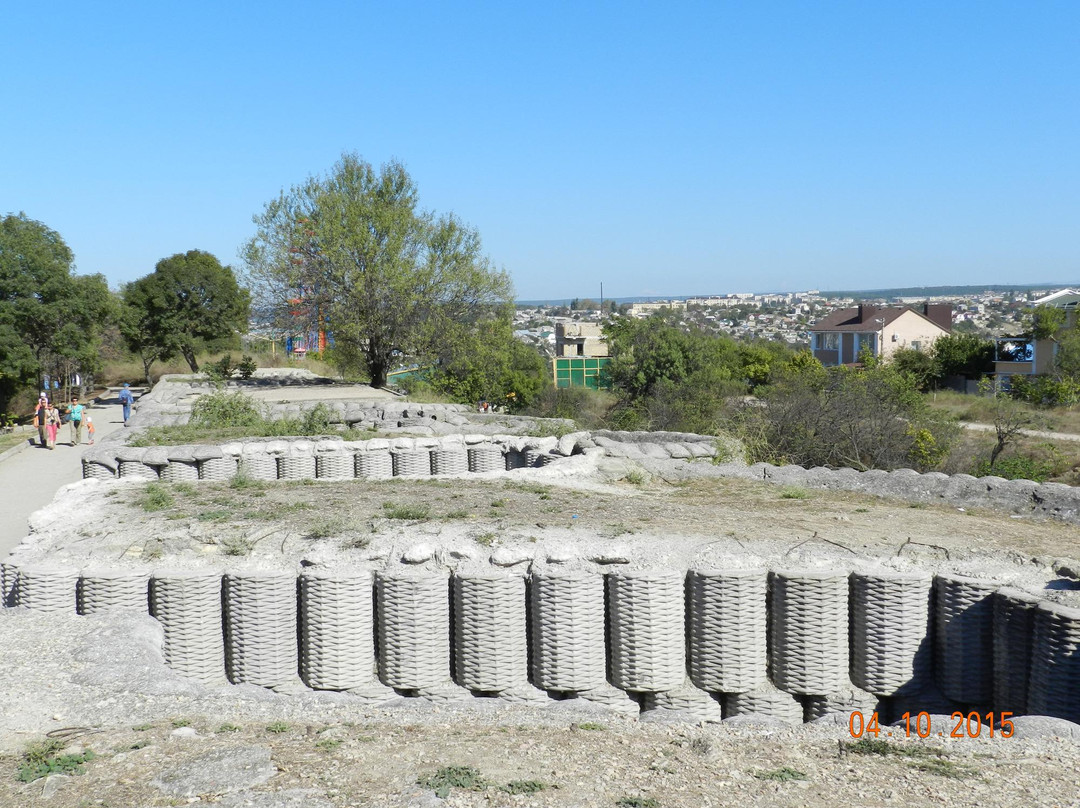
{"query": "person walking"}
[(127, 400), (41, 420), (53, 424), (75, 414), (90, 429)]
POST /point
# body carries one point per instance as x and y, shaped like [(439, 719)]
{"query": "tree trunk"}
[(146, 363), (378, 371), (189, 357)]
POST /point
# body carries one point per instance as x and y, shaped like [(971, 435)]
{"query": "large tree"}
[(188, 300), (352, 253), (50, 318)]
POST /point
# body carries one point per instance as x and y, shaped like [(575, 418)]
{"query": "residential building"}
[(838, 338), (581, 353), (1025, 355)]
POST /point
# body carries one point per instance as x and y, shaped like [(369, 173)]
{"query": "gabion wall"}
[(791, 645)]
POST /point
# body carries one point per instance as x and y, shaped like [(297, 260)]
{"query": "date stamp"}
[(965, 725)]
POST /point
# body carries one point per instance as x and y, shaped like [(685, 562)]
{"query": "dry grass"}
[(978, 409)]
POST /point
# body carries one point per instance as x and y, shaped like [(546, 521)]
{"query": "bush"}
[(220, 370), (1046, 391), (1015, 467), (247, 367), (222, 409), (865, 419)]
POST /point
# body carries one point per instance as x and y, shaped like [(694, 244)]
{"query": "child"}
[(89, 423)]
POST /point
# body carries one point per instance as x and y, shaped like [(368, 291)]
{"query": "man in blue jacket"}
[(127, 400)]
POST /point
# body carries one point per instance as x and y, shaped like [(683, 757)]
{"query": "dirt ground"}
[(327, 753)]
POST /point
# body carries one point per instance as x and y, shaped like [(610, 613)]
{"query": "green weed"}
[(156, 497), (40, 759), (328, 744), (784, 774), (453, 777), (277, 727), (409, 513), (637, 802), (523, 787), (236, 546), (794, 492), (485, 539)]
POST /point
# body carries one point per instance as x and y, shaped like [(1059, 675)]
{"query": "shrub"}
[(247, 367), (1016, 467), (223, 409)]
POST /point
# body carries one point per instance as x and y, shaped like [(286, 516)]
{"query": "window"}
[(829, 341)]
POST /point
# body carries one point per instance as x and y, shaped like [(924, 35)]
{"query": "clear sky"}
[(669, 148)]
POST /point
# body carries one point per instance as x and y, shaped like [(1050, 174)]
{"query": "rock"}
[(1043, 726), (614, 556), (418, 554), (561, 555), (509, 556), (219, 772), (184, 732), (1067, 568), (53, 783)]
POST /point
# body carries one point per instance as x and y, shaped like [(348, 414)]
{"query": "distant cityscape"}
[(787, 317)]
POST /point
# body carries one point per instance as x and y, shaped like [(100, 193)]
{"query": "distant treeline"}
[(943, 291), (864, 294)]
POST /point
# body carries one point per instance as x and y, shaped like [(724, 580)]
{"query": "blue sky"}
[(676, 148)]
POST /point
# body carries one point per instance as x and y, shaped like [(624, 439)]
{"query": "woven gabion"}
[(647, 635), (258, 466), (891, 643), (766, 701), (413, 618), (685, 704), (217, 469), (847, 699), (491, 651), (534, 458), (180, 471), (374, 465), (188, 605), (296, 467), (567, 616), (260, 628), (1055, 663), (9, 574), (449, 461), (414, 462), (108, 589), (1014, 629), (97, 471), (964, 638), (808, 641), (337, 631), (515, 460), (335, 466), (46, 588), (137, 469), (726, 624), (486, 458)]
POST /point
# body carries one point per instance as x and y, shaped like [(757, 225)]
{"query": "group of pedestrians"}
[(48, 418)]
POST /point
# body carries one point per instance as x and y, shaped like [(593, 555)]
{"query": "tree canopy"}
[(352, 253), (188, 300), (50, 318)]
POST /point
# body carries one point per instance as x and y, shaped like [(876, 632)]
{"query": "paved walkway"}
[(29, 478)]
